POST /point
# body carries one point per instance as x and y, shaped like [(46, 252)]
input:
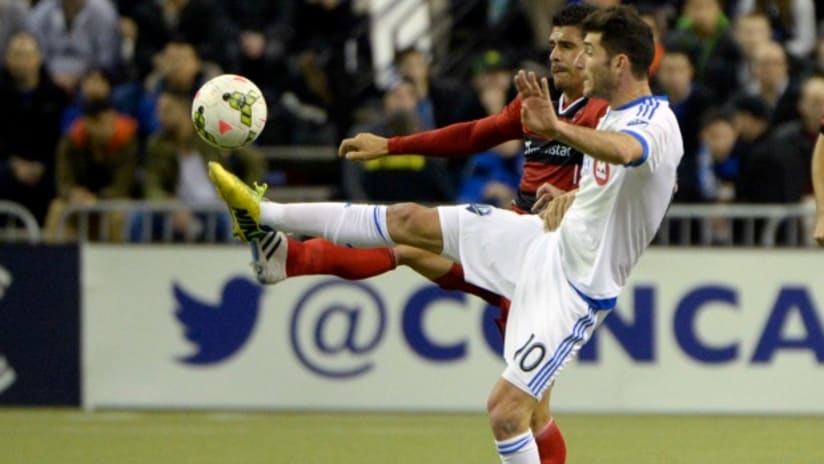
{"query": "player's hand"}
[(818, 235), (537, 112), (364, 147), (545, 193), (555, 211)]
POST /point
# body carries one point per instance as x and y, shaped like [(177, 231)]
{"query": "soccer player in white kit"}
[(561, 283)]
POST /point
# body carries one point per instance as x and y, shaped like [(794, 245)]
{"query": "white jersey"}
[(618, 209)]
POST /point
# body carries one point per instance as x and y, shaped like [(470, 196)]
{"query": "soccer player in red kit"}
[(551, 169)]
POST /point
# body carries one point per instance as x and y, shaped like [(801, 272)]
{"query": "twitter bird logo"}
[(219, 330)]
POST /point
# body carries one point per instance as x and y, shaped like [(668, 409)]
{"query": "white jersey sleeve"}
[(618, 209), (654, 133)]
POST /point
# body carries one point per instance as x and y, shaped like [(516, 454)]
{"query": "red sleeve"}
[(463, 138)]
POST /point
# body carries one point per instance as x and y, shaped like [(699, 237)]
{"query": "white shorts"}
[(511, 255)]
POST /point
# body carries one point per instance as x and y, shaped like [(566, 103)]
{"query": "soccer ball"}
[(229, 111)]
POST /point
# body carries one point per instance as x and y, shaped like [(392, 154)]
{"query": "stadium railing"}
[(114, 220), (17, 224), (684, 225), (738, 225)]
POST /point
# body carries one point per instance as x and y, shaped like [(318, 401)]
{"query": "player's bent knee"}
[(509, 412)]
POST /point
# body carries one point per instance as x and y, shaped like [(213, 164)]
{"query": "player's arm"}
[(455, 140), (818, 186), (539, 116)]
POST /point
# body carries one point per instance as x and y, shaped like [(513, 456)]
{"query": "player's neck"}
[(628, 91), (568, 99), (571, 96)]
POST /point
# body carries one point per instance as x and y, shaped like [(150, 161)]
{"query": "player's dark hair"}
[(623, 32), (572, 15)]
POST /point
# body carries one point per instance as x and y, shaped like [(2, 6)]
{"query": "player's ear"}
[(622, 63)]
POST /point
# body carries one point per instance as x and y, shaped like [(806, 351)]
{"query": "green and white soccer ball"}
[(229, 111)]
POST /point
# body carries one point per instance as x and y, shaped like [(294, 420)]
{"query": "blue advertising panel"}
[(39, 325)]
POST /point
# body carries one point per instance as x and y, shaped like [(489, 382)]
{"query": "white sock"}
[(342, 223), (520, 449)]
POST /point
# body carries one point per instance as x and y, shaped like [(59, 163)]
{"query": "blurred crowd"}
[(95, 95)]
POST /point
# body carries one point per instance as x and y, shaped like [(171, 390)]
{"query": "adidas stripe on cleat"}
[(269, 254)]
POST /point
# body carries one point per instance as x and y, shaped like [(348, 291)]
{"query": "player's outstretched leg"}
[(276, 257), (342, 223)]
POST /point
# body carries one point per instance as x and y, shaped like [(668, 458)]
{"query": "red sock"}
[(551, 444), (454, 280), (319, 256)]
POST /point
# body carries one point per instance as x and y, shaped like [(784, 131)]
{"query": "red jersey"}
[(546, 160)]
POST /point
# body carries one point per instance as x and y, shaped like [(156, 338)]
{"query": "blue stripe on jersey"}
[(637, 101), (510, 447), (595, 303), (377, 223), (644, 148), (548, 370), (655, 103)]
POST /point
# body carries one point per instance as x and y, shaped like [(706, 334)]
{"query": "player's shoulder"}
[(645, 111)]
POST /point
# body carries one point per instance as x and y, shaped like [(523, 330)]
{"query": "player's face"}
[(565, 44), (595, 63)]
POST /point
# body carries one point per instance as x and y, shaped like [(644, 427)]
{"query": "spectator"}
[(785, 170), (198, 22), (792, 21), (718, 171), (330, 69), (687, 100), (12, 20), (772, 83), (752, 121), (441, 101), (398, 178), (96, 159), (492, 23), (716, 159), (750, 31), (176, 160), (31, 105), (77, 36), (264, 31), (177, 67), (492, 176), (704, 26)]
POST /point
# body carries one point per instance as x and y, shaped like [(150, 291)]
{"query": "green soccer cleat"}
[(242, 200)]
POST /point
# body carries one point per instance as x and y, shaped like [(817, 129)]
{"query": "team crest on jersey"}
[(600, 171), (480, 210)]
